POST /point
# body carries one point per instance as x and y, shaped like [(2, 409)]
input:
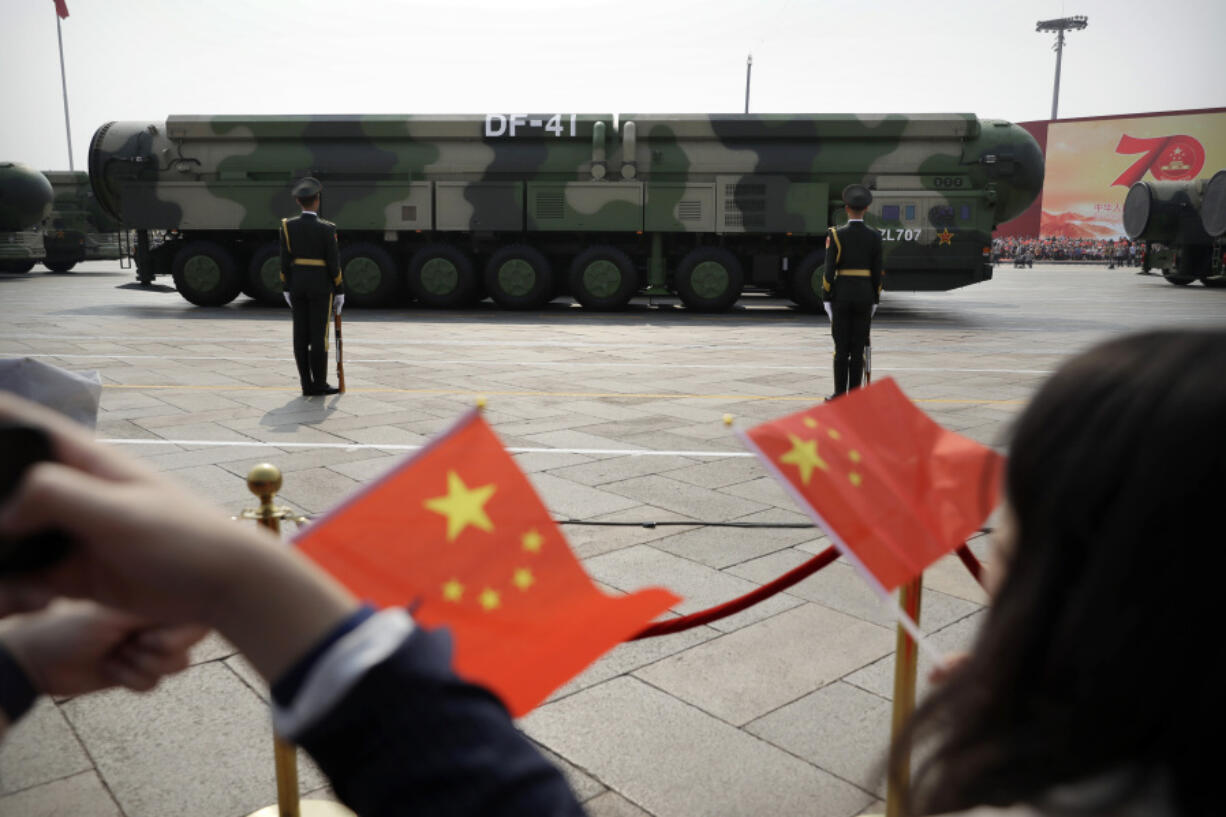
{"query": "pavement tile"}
[(878, 677), (675, 761), (566, 499), (615, 469), (717, 473), (81, 795), (839, 587), (743, 675), (39, 748), (154, 770), (839, 728), (690, 500), (584, 786), (612, 804), (592, 540), (699, 586), (721, 547)]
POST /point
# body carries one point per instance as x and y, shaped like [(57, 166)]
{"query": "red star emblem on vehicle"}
[(946, 236)]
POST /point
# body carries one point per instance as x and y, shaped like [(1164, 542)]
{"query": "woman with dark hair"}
[(1094, 687)]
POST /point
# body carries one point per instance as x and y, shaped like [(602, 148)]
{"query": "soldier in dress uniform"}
[(311, 275), (851, 287)]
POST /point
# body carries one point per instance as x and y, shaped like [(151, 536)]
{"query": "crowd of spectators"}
[(1025, 251)]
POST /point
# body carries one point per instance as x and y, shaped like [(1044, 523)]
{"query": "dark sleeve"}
[(332, 256), (876, 270), (287, 268), (412, 738), (832, 253)]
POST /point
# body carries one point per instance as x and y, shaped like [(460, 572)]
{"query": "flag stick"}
[(64, 83), (906, 662)]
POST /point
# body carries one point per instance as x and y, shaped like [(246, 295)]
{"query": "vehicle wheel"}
[(205, 274), (603, 278), (370, 275), (709, 279), (59, 265), (16, 266), (264, 275), (807, 281), (1214, 282), (442, 276), (1178, 280), (519, 277)]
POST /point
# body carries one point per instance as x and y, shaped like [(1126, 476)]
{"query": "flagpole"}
[(59, 35)]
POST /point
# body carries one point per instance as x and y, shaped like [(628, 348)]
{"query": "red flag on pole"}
[(895, 490), (61, 8), (459, 531)]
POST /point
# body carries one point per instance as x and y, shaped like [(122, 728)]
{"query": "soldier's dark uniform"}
[(852, 285), (311, 273)]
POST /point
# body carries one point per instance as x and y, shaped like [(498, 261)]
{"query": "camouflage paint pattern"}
[(765, 187)]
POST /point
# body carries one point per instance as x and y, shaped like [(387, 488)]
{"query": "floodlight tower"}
[(1063, 24)]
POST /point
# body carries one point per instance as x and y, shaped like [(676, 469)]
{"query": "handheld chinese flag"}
[(458, 531), (893, 489)]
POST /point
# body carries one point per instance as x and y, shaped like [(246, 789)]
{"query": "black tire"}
[(16, 266), (1212, 282), (519, 277), (264, 275), (205, 273), (709, 279), (370, 275), (58, 264), (806, 281), (603, 278), (1177, 280), (443, 276)]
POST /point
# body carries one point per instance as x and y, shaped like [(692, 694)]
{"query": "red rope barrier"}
[(796, 574), (972, 564)]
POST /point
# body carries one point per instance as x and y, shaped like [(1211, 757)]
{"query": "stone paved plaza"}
[(782, 709)]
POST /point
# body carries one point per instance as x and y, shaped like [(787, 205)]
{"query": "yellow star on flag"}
[(804, 456), (532, 541), (489, 599), (462, 506), (453, 590), (523, 578)]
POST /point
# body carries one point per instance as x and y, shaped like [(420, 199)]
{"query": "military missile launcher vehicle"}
[(1182, 225), (25, 200), (75, 230), (525, 207)]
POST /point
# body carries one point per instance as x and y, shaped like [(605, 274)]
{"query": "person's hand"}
[(829, 309), (873, 314), (76, 647), (338, 302), (143, 545), (288, 300), (942, 672)]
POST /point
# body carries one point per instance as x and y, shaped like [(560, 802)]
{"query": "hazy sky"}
[(146, 59)]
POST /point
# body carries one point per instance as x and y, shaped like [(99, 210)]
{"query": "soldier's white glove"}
[(337, 303), (288, 301), (829, 309), (873, 314)]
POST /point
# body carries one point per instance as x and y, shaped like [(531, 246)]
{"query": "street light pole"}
[(1060, 26), (748, 68), (64, 83)]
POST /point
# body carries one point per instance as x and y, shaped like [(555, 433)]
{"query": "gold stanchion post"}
[(905, 667), (264, 480)]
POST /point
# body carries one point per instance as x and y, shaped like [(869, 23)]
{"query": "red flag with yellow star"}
[(894, 490), (458, 531)]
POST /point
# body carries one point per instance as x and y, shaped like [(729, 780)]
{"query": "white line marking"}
[(610, 452), (540, 363)]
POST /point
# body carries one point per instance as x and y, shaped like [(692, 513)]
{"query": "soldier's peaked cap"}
[(307, 187), (857, 196)]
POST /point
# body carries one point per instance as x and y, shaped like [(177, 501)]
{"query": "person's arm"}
[(379, 691), (287, 261), (833, 251), (72, 648), (332, 256)]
